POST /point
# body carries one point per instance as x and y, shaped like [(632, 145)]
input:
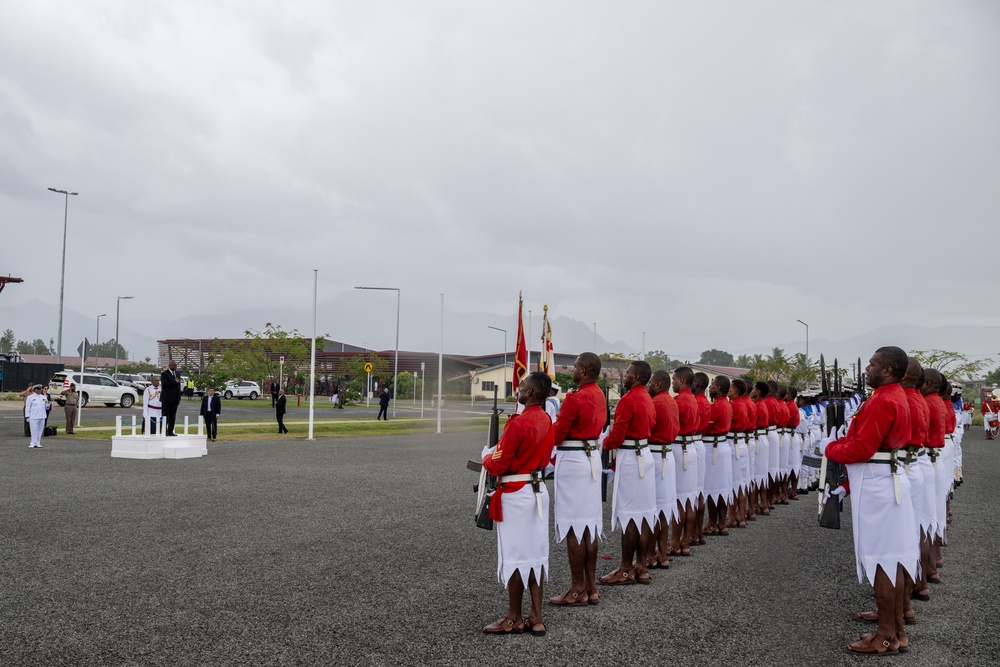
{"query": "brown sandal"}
[(505, 626)]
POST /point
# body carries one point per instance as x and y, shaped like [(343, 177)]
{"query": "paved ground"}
[(363, 551)]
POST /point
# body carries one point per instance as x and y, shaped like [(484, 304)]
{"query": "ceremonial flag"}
[(548, 356), (521, 351)]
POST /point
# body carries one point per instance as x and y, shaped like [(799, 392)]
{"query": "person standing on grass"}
[(72, 397), (279, 410)]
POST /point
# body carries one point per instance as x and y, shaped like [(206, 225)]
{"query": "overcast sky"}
[(705, 172)]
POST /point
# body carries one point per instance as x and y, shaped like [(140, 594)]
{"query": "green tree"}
[(106, 350), (257, 357), (715, 357), (565, 381), (616, 364), (802, 372), (743, 361), (954, 365), (37, 346), (993, 377), (408, 385), (659, 360), (7, 341), (353, 370)]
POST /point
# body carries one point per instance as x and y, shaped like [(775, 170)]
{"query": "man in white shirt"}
[(35, 411), (152, 408)]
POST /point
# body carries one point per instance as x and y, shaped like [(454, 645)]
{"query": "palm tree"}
[(777, 363)]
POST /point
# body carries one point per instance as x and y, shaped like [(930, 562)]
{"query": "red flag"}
[(521, 351), (548, 365)]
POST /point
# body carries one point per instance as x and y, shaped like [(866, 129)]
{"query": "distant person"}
[(275, 385), (190, 388), (211, 408), (279, 406), (72, 397), (383, 404), (552, 402), (152, 406), (170, 395), (25, 395), (35, 411), (335, 396)]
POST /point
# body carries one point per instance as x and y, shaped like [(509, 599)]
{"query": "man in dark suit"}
[(274, 393), (383, 404), (211, 408), (170, 395), (279, 410)]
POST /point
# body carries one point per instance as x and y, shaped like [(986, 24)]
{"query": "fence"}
[(15, 376)]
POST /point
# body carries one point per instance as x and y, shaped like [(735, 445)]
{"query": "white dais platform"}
[(186, 445)]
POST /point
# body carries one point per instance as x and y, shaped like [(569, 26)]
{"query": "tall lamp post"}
[(62, 280), (395, 370), (118, 312), (97, 342), (807, 348), (504, 359)]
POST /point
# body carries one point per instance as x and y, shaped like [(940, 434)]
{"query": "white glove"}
[(840, 492), (826, 441), (603, 436), (842, 432), (487, 450)]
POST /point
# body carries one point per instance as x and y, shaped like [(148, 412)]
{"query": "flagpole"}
[(441, 367), (312, 358)]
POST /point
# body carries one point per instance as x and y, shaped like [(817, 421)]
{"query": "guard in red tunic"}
[(991, 413), (935, 443), (775, 418), (752, 445), (579, 514), (762, 458), (520, 505), (718, 457), (699, 388), (661, 443), (741, 454), (881, 510), (919, 423), (795, 444), (686, 462), (633, 507)]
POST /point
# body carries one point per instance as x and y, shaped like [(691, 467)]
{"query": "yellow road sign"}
[(368, 367)]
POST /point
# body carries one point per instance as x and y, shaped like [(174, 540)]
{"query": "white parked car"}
[(95, 387), (137, 382), (242, 389)]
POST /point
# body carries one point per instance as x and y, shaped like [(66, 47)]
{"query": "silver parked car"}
[(95, 387)]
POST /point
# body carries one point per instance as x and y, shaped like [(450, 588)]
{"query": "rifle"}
[(487, 482), (831, 473), (605, 453)]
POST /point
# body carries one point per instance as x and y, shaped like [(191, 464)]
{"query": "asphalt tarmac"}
[(364, 551)]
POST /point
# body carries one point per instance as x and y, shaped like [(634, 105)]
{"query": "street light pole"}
[(395, 370), (440, 369), (118, 312), (97, 342), (504, 359), (62, 280), (807, 350)]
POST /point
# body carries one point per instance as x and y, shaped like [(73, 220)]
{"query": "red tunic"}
[(525, 446), (935, 432), (704, 412), (920, 417), (739, 414), (751, 408), (775, 413), (950, 418), (793, 414), (634, 418), (763, 416), (667, 424), (582, 414), (990, 406), (883, 422), (687, 412), (721, 418)]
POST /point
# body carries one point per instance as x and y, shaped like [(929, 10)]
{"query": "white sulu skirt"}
[(883, 528), (784, 453), (578, 495), (634, 495), (666, 484), (686, 473), (523, 536), (719, 472), (773, 455), (761, 460)]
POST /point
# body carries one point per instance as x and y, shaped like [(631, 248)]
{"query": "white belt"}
[(664, 449), (890, 457), (638, 445), (527, 477), (583, 447), (716, 439)]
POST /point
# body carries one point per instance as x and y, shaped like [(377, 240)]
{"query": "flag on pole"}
[(521, 351), (548, 356)]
